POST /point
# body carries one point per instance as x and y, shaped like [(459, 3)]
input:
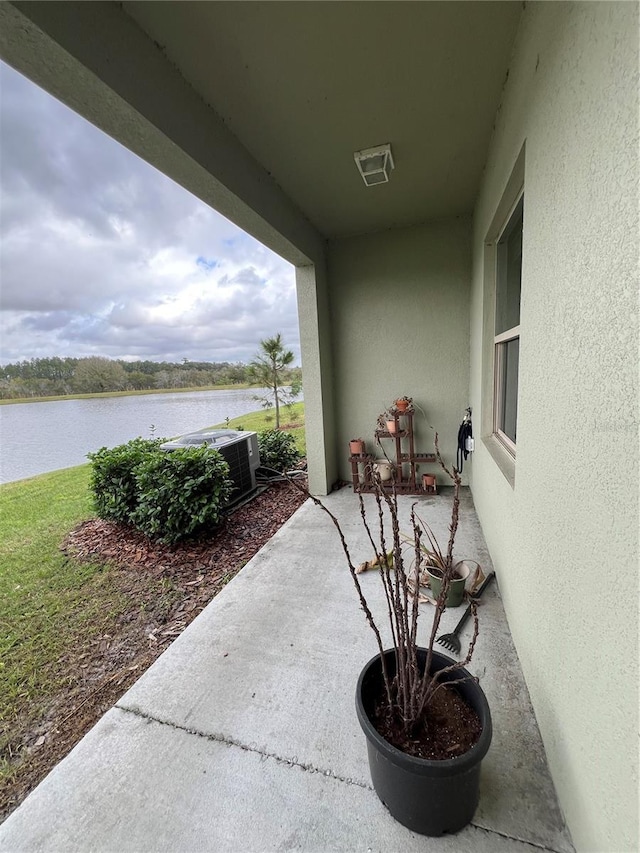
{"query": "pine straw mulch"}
[(164, 587)]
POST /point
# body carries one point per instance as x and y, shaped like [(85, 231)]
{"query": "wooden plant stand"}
[(406, 479)]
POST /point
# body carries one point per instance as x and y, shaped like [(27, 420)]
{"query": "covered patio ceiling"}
[(304, 85), (258, 107)]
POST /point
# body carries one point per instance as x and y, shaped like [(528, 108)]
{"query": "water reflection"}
[(40, 437)]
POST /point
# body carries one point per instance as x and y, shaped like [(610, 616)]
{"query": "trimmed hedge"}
[(277, 450), (167, 496), (181, 492), (113, 483)]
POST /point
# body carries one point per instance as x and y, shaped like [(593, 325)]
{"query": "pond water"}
[(40, 437)]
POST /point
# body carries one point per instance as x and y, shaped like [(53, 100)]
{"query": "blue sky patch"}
[(206, 264)]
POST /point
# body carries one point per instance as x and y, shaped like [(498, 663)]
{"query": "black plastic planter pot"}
[(429, 797)]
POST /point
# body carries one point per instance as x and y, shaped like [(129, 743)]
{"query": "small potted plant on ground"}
[(459, 577), (429, 483), (427, 774)]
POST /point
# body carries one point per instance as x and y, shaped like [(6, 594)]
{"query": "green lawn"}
[(291, 417), (53, 609), (46, 601)]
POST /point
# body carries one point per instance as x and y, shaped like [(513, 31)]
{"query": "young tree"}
[(270, 368)]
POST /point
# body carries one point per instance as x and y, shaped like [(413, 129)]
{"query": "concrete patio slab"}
[(243, 735), (206, 795)]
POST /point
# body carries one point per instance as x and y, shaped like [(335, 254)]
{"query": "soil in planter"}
[(455, 576), (450, 727)]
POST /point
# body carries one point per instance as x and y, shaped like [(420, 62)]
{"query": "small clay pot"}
[(356, 447), (402, 405)]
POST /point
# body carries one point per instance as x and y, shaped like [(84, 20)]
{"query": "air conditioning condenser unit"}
[(238, 447)]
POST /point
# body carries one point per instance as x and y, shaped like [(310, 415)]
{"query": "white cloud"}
[(102, 254)]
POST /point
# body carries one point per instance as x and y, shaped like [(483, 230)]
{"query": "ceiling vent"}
[(375, 164)]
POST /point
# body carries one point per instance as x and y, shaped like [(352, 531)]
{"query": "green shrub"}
[(113, 483), (277, 449), (181, 492)]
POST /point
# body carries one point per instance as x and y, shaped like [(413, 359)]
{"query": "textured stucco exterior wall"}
[(400, 318), (564, 537), (316, 335)]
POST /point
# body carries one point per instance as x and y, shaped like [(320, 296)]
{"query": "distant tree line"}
[(52, 377)]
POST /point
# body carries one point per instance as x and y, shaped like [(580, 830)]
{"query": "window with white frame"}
[(507, 328)]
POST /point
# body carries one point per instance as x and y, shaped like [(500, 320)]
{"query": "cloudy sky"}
[(103, 255)]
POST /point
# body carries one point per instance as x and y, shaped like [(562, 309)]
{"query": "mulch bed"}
[(165, 587)]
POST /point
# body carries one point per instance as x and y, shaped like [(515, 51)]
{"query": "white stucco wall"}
[(400, 318), (564, 537)]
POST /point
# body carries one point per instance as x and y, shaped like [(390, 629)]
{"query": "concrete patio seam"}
[(514, 838), (229, 741), (293, 762)]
